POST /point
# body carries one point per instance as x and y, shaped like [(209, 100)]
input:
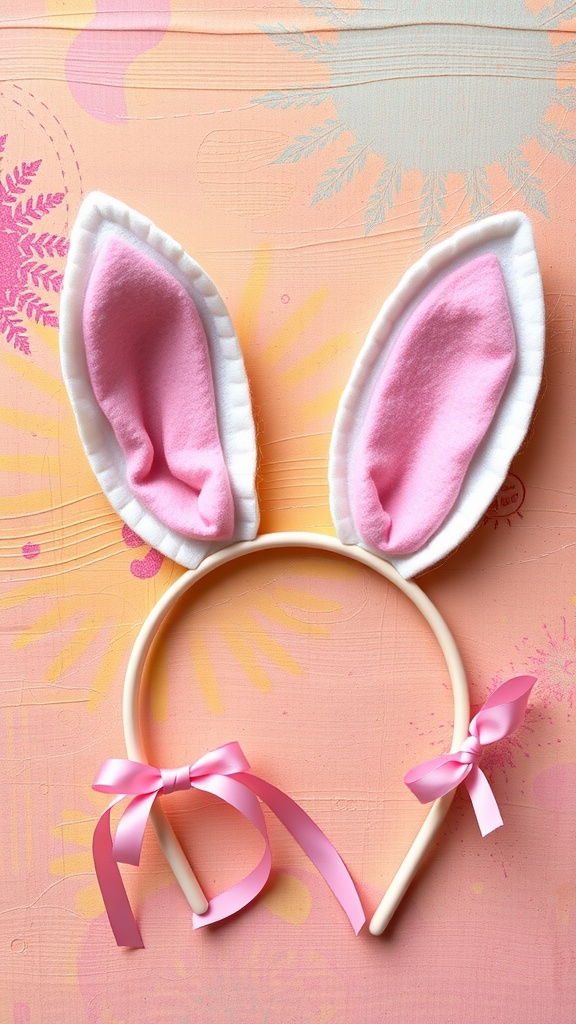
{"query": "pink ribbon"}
[(223, 772), (500, 715)]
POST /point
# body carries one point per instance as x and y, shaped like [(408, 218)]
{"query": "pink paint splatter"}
[(30, 550), (131, 539), (506, 756), (554, 662), (99, 58), (142, 568), (145, 568)]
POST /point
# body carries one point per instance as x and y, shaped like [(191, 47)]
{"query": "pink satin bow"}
[(223, 772), (500, 715)]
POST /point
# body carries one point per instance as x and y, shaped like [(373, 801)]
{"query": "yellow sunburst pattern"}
[(297, 374), (72, 860), (251, 633), (65, 555), (73, 839), (66, 563), (233, 653)]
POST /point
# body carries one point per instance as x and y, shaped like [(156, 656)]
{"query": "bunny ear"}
[(157, 382), (441, 396)]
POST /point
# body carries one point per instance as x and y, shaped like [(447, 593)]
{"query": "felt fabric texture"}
[(431, 407), (101, 221), (508, 237), (148, 361)]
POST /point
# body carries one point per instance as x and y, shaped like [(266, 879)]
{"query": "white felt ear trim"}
[(99, 216), (509, 237)]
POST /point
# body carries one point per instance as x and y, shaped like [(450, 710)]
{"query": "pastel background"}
[(305, 155)]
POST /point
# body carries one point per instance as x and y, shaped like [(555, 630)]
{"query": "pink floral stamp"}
[(507, 502)]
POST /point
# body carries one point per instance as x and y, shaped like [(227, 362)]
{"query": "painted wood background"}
[(305, 154)]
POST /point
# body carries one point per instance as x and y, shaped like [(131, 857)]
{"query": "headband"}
[(437, 405)]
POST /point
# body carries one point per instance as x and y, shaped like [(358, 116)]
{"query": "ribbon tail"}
[(127, 845), (315, 845), (237, 896), (483, 801), (111, 885), (235, 793)]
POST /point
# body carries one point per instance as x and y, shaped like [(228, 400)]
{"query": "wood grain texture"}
[(304, 155)]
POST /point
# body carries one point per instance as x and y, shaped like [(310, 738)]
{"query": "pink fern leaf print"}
[(41, 274), (17, 182), (25, 255), (11, 326), (44, 245), (35, 309), (37, 208)]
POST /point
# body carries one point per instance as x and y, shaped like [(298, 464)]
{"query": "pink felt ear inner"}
[(150, 371), (431, 407)]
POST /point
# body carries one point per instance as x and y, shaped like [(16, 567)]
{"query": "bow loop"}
[(225, 760), (118, 775), (500, 715), (503, 711)]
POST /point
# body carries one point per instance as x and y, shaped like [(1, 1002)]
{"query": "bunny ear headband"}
[(437, 405)]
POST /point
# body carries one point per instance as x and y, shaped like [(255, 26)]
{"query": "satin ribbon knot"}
[(225, 773), (175, 779), (500, 715), (471, 750)]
